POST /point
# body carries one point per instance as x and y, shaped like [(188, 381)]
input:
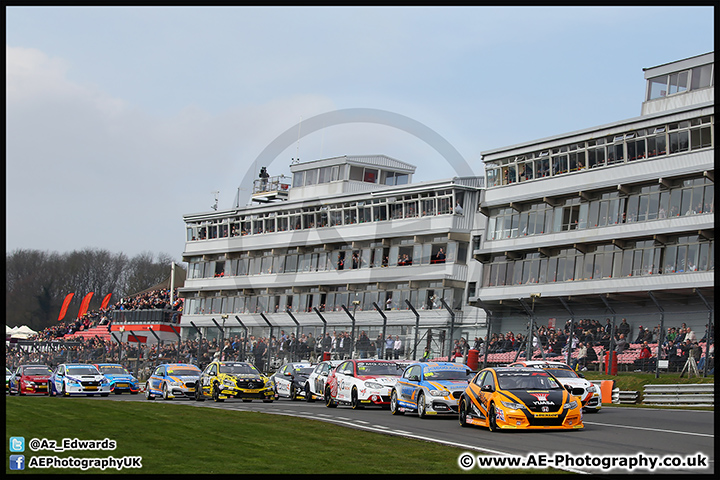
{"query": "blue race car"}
[(78, 379), (170, 380), (120, 379), (431, 388)]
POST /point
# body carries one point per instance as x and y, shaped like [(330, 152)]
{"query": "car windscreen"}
[(113, 370), (82, 371), (367, 368), (563, 373), (237, 368), (540, 380), (455, 374), (183, 372), (304, 371), (36, 371)]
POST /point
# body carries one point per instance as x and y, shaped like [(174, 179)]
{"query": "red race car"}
[(30, 379)]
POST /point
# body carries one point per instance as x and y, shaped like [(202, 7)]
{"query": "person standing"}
[(389, 346), (397, 348)]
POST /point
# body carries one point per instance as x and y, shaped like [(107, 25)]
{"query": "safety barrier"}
[(695, 394)]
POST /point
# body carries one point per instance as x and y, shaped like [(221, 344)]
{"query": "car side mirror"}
[(488, 388), (288, 374), (581, 375), (414, 378), (568, 388)]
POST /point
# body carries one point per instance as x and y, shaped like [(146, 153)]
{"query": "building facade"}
[(610, 222), (344, 244)]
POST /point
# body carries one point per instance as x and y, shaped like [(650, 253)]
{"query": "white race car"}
[(78, 379), (315, 385), (588, 393), (362, 382), (289, 380)]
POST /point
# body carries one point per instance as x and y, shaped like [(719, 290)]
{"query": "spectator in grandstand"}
[(623, 328), (642, 363), (581, 360), (621, 344)]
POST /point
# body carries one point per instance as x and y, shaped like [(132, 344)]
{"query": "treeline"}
[(37, 281)]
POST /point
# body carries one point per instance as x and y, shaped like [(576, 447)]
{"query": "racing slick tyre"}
[(462, 412), (216, 393), (308, 396), (293, 393), (165, 393), (492, 419), (422, 408), (354, 401), (199, 397), (394, 406), (117, 392), (51, 390), (247, 400), (63, 392), (148, 395), (104, 394), (268, 400), (329, 402)]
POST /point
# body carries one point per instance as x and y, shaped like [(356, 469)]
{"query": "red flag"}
[(84, 305), (65, 305), (105, 301)]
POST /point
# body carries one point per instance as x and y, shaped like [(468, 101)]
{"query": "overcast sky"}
[(119, 121)]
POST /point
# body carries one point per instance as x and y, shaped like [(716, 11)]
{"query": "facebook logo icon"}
[(17, 462)]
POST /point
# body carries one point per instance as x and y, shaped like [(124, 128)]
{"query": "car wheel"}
[(165, 393), (492, 419), (308, 396), (268, 400), (63, 392), (293, 392), (51, 390), (199, 397), (148, 395), (394, 405), (355, 402), (216, 393), (104, 394), (462, 412), (117, 392), (329, 402), (247, 400), (421, 406)]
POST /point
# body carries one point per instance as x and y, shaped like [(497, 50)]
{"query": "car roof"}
[(540, 363)]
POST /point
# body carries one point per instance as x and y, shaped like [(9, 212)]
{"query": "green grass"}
[(183, 439)]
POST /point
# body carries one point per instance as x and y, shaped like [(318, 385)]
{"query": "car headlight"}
[(374, 385), (173, 383), (513, 405), (570, 405), (104, 381), (268, 383), (439, 393), (229, 383), (72, 381), (592, 388)]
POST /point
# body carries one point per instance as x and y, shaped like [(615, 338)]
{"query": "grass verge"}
[(182, 439)]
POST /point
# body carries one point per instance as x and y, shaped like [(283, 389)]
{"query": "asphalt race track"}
[(612, 432)]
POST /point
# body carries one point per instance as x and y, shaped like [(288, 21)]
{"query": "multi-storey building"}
[(610, 221), (346, 243)]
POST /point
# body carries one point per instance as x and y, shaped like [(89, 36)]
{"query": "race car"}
[(514, 398), (289, 380), (8, 374), (315, 385), (171, 380), (120, 379), (78, 379), (361, 382), (430, 388), (588, 393), (30, 379), (221, 380)]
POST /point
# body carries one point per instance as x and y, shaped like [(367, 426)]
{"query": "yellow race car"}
[(221, 380), (512, 398)]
